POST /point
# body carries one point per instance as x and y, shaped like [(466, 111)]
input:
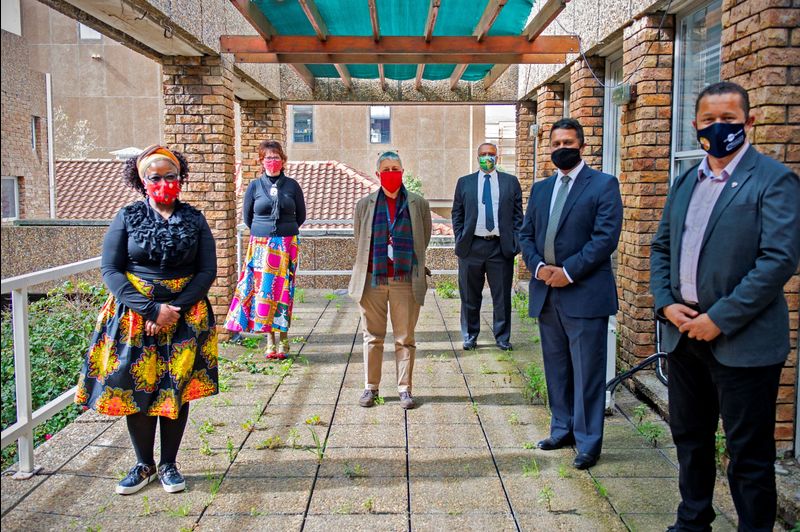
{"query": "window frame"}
[(612, 116), (311, 124), (82, 39), (676, 157), (369, 125), (15, 180)]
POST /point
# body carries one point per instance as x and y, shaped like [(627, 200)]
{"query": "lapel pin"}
[(734, 184)]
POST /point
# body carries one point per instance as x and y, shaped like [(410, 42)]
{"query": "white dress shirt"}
[(573, 174), (480, 226)]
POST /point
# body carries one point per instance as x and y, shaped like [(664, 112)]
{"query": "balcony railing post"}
[(22, 378)]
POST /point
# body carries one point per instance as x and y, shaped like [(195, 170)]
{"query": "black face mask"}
[(566, 158)]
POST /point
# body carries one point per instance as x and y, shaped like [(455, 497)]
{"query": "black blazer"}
[(465, 213)]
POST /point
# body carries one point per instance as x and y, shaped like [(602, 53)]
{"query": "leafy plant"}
[(380, 400), (651, 432), (146, 510), (354, 470), (529, 445), (205, 447), (530, 468), (369, 505), (535, 384), (206, 427), (300, 295), (330, 296), (298, 339), (231, 449), (254, 512), (318, 448), (314, 420), (180, 511), (563, 472), (293, 437), (446, 289), (475, 408), (272, 443), (546, 495), (721, 447), (639, 413), (413, 183), (513, 419), (503, 356), (598, 486)]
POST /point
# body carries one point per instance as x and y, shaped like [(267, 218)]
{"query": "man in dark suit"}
[(571, 228), (487, 239), (728, 241)]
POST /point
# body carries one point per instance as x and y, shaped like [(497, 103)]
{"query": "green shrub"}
[(60, 328), (446, 289), (413, 184)]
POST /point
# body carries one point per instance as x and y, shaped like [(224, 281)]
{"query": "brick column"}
[(198, 121), (761, 52), (261, 120), (526, 117), (586, 106), (549, 109), (644, 179)]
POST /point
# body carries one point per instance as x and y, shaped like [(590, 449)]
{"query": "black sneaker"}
[(171, 479), (138, 477)]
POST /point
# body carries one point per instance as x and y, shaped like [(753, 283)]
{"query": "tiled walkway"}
[(459, 461)]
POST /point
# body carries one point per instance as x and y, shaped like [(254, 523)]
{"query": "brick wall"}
[(23, 97), (761, 52), (586, 106), (549, 109), (261, 120), (198, 121), (644, 179), (526, 117)]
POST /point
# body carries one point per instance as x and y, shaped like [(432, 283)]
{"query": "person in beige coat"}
[(392, 228)]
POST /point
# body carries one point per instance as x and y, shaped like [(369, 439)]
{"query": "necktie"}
[(555, 217), (487, 202)]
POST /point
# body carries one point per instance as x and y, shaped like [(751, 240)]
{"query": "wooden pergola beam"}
[(390, 45), (345, 75), (373, 18), (456, 75), (382, 77), (399, 59), (314, 18), (488, 18), (433, 12), (418, 78), (532, 32)]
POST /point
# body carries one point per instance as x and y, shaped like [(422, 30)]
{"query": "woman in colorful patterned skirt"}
[(274, 210), (154, 348)]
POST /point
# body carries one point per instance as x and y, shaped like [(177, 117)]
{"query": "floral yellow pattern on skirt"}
[(127, 372)]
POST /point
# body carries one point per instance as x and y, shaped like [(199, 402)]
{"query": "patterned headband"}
[(152, 154)]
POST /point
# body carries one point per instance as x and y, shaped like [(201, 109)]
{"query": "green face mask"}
[(487, 162)]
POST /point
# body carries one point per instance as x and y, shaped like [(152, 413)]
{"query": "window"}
[(567, 90), (697, 65), (10, 198), (88, 34), (611, 137), (303, 123), (36, 124), (380, 124)]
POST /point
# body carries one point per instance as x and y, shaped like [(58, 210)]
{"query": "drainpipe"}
[(471, 150), (51, 164)]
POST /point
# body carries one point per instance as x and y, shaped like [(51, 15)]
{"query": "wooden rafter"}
[(345, 75), (532, 31), (314, 18), (373, 17), (256, 18), (404, 59), (382, 76), (433, 12), (418, 78), (490, 13), (399, 46), (458, 71)]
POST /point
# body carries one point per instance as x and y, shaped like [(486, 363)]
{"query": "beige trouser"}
[(404, 311)]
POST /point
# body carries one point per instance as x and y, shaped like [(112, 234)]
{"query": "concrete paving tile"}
[(303, 437), (619, 436), (358, 522), (525, 414), (457, 495), (348, 412), (100, 461), (304, 396), (249, 523), (502, 433), (509, 379), (441, 436), (467, 522), (313, 380), (277, 414), (442, 413), (642, 463), (455, 462), (571, 521), (574, 494), (368, 462), (338, 495), (22, 521), (511, 462), (277, 463), (367, 435), (499, 396), (637, 522), (645, 495), (264, 496)]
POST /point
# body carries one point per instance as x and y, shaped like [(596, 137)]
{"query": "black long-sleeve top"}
[(142, 242), (258, 205)]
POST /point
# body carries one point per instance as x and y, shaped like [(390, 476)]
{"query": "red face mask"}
[(273, 166), (163, 191), (391, 180)]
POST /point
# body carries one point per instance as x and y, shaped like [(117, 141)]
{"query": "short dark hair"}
[(569, 123), (271, 145), (724, 87), (130, 172)]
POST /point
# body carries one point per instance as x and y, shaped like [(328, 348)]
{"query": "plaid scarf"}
[(402, 241)]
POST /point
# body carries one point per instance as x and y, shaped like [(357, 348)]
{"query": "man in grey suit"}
[(487, 239), (728, 241)]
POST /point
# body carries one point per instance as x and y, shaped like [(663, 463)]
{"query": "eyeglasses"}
[(155, 178), (272, 158)]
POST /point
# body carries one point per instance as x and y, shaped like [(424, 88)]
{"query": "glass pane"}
[(303, 123), (379, 125), (699, 64), (9, 197), (682, 165), (88, 34)]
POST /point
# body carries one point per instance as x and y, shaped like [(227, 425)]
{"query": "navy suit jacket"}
[(588, 233), (465, 213), (750, 250)]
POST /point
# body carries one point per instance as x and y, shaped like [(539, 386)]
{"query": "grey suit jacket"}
[(750, 249), (362, 231)]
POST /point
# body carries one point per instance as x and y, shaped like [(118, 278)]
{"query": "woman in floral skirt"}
[(273, 209), (154, 348)]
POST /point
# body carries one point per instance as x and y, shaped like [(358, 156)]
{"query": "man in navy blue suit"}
[(570, 230)]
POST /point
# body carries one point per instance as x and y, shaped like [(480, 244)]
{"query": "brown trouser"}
[(404, 311)]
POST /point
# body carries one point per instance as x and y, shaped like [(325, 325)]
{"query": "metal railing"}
[(22, 429)]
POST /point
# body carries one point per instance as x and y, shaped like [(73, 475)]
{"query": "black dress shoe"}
[(585, 461), (504, 346), (470, 344), (551, 444)]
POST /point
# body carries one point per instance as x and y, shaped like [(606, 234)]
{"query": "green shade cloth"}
[(396, 18)]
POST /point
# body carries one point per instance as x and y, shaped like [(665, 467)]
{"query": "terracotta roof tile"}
[(91, 189)]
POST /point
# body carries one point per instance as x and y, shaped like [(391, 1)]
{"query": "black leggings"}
[(142, 429)]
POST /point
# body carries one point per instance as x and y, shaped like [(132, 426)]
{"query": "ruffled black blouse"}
[(142, 242)]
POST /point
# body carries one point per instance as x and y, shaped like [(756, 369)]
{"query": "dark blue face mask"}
[(720, 139)]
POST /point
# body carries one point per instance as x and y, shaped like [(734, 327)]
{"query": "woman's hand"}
[(167, 315), (151, 328)]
